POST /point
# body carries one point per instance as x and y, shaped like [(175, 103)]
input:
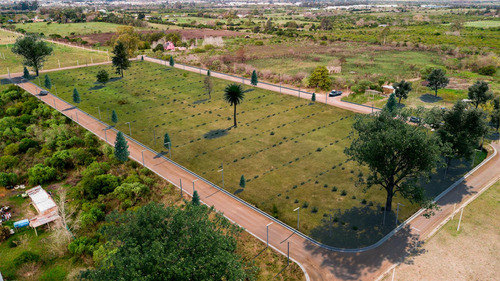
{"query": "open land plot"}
[(68, 29), (470, 254), (483, 24), (66, 56), (357, 60), (289, 150), (7, 38)]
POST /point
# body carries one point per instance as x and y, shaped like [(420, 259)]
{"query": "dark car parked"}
[(334, 93), (414, 119), (43, 93)]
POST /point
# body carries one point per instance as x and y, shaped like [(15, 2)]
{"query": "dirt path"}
[(318, 263)]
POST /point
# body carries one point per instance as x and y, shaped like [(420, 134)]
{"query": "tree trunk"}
[(399, 100), (235, 124), (36, 70), (121, 72), (436, 92), (388, 202)]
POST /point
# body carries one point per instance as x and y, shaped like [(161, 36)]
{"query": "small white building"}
[(44, 205)]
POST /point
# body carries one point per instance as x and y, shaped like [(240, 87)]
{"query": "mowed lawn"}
[(68, 29), (63, 55), (290, 151), (483, 24)]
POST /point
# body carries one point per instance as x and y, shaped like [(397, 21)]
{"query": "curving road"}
[(318, 263)]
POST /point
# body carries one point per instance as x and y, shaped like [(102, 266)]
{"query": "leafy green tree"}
[(33, 49), (208, 85), (48, 83), (158, 243), (114, 117), (41, 174), (326, 24), (242, 181), (234, 95), (434, 117), (437, 80), (120, 58), (254, 79), (495, 118), (462, 130), (166, 141), (401, 89), (397, 155), (76, 96), (320, 79), (391, 105), (26, 73), (102, 76), (121, 148), (196, 199), (480, 93), (171, 61)]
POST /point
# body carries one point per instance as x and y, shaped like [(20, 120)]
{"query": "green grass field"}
[(7, 38), (388, 64), (66, 56), (69, 28), (483, 24), (289, 150)]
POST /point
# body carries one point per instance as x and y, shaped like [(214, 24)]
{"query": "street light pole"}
[(397, 213), (142, 152), (129, 129), (222, 170), (298, 216), (267, 231), (193, 184)]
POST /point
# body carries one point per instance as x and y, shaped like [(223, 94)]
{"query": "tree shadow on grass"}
[(216, 133), (115, 79), (200, 101), (430, 98), (6, 81), (97, 87), (353, 266), (238, 191)]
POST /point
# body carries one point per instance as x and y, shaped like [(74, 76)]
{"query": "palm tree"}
[(234, 94)]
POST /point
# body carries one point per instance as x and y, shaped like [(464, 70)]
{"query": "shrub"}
[(82, 246), (343, 193), (26, 257), (259, 43), (314, 210), (40, 174), (11, 149), (363, 201), (489, 70), (275, 211), (305, 204), (8, 161), (26, 144), (102, 184), (8, 179), (92, 217), (4, 233), (334, 189)]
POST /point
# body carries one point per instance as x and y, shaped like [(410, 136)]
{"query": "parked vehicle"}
[(43, 93), (414, 119), (335, 93)]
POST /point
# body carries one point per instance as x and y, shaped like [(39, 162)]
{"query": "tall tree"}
[(168, 243), (171, 61), (76, 97), (208, 85), (196, 199), (401, 89), (313, 97), (209, 73), (434, 117), (120, 58), (47, 82), (114, 117), (234, 95), (102, 76), (391, 105), (254, 80), (462, 130), (320, 79), (437, 80), (480, 93), (397, 155), (166, 141), (121, 148), (384, 33), (26, 73), (33, 49), (242, 181), (326, 23)]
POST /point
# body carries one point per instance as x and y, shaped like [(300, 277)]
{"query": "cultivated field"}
[(470, 254), (66, 56), (289, 150), (483, 24), (69, 28)]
